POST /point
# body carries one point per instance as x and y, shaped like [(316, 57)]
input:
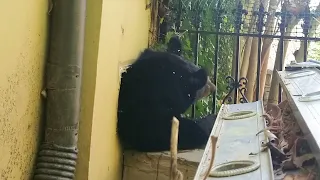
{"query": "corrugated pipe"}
[(58, 153)]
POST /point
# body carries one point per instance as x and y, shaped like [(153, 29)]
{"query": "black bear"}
[(175, 45), (156, 87)]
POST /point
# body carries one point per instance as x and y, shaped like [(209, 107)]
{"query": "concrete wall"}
[(116, 31), (23, 35)]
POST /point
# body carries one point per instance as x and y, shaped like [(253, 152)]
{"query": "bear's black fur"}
[(158, 86), (175, 45)]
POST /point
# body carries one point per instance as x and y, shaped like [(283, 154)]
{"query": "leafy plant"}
[(314, 51)]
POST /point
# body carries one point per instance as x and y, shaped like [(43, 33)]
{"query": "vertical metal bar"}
[(306, 26), (178, 20), (196, 53), (280, 69), (196, 48), (260, 29), (216, 60), (258, 70), (305, 49), (237, 31), (281, 44), (236, 78), (241, 82)]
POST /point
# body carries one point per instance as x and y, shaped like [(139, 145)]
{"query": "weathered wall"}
[(23, 35), (116, 31)]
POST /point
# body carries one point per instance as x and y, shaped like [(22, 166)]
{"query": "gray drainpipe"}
[(57, 155)]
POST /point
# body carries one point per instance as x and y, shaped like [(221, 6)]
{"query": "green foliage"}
[(314, 51), (207, 45)]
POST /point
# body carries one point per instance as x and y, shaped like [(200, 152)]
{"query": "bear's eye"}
[(173, 72)]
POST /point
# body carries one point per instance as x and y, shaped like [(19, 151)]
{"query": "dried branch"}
[(213, 153), (175, 174)]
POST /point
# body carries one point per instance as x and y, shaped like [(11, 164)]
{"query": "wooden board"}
[(236, 140), (306, 113)]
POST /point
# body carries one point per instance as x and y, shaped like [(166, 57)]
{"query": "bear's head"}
[(176, 82), (175, 45)]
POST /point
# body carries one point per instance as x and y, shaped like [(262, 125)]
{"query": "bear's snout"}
[(208, 89)]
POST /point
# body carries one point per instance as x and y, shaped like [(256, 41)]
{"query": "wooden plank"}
[(236, 140), (306, 113)]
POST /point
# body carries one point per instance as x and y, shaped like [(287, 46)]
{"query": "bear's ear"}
[(199, 78), (147, 53)]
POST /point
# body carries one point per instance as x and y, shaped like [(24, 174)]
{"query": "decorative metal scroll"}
[(239, 86)]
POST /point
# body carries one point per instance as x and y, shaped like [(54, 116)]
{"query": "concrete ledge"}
[(156, 166)]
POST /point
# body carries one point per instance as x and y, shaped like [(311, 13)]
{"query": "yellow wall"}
[(22, 54), (116, 31)]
